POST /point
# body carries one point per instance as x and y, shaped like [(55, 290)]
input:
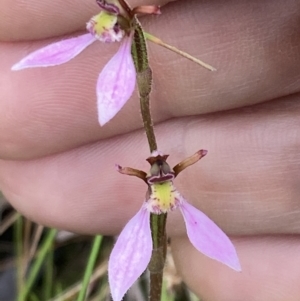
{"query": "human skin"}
[(57, 163)]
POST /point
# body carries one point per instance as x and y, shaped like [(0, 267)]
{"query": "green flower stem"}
[(157, 262), (42, 252), (157, 222), (144, 82), (18, 240), (89, 267), (48, 274)]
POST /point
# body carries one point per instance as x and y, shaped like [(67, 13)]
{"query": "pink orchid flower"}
[(116, 81), (132, 251)]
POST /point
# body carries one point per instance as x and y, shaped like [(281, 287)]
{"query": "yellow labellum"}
[(163, 196), (103, 22)]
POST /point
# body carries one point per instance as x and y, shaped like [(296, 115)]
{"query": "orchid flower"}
[(116, 81), (132, 251)]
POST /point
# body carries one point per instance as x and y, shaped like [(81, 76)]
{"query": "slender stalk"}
[(89, 267), (158, 41), (144, 81), (18, 240), (157, 262), (48, 275), (146, 77), (157, 222), (43, 251)]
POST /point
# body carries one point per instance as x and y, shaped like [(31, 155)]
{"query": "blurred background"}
[(43, 264)]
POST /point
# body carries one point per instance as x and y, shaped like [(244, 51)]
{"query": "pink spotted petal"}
[(116, 82), (56, 53), (208, 238), (130, 255)]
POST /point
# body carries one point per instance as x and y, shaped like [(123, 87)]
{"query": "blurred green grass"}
[(49, 265)]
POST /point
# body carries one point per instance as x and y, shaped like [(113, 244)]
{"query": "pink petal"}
[(56, 53), (116, 82), (130, 255), (208, 238)]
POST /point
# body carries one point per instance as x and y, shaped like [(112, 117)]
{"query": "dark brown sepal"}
[(153, 160), (132, 172), (109, 7), (189, 161)]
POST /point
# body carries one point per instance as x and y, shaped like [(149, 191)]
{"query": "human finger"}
[(44, 111), (270, 270), (248, 183), (29, 20)]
